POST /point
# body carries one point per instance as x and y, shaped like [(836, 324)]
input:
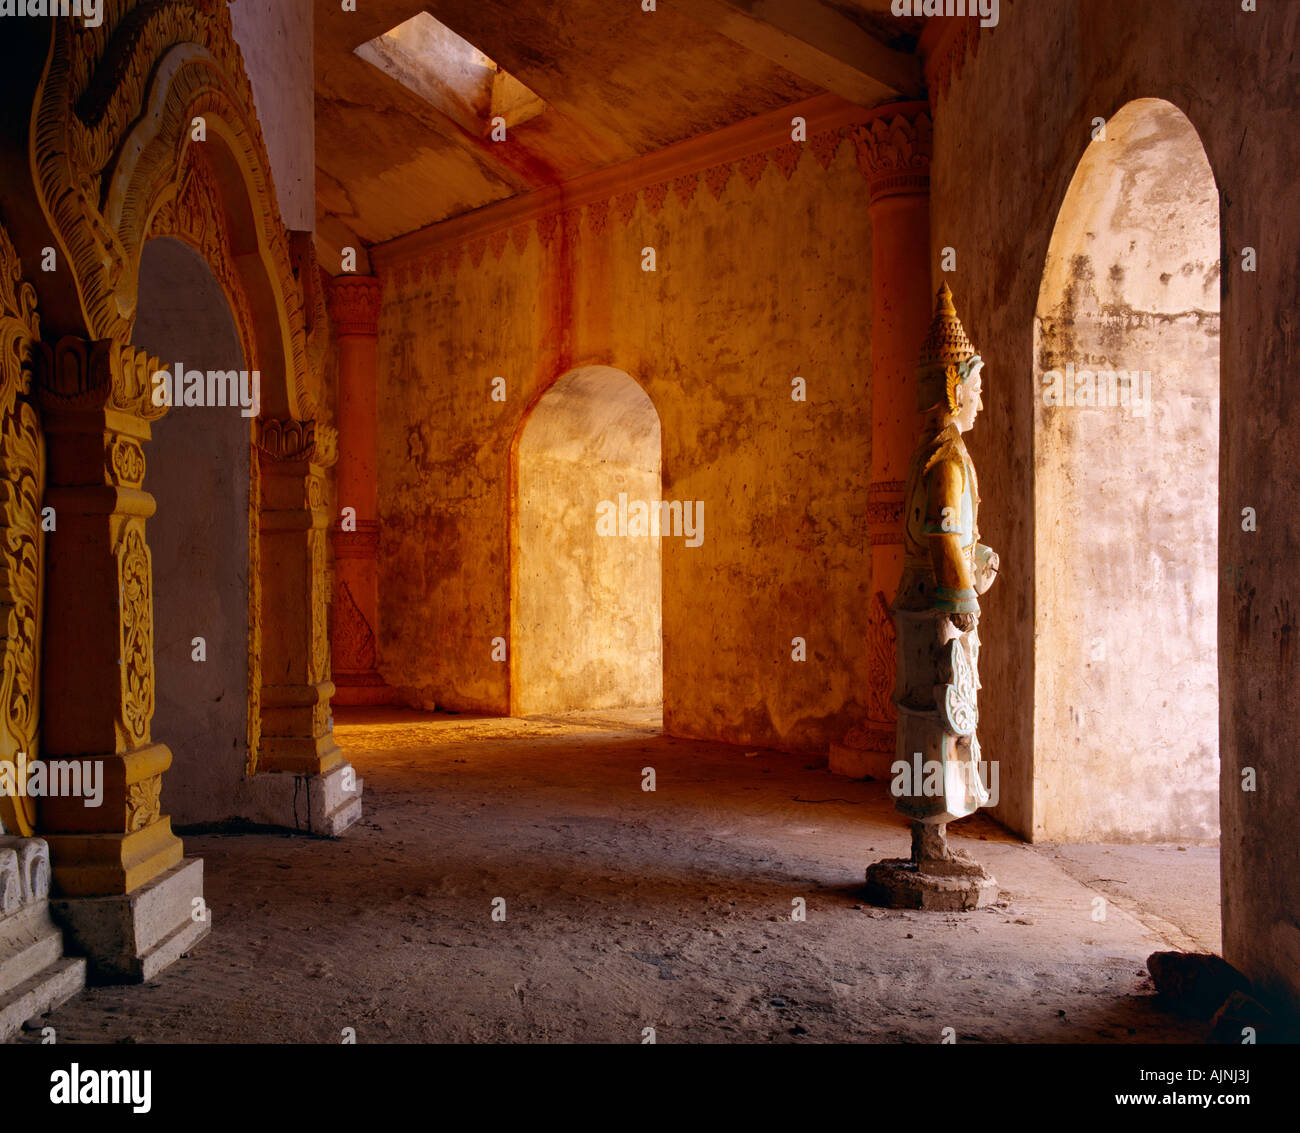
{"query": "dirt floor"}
[(626, 909)]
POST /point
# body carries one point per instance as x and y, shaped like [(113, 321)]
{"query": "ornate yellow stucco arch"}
[(116, 160), (112, 147)]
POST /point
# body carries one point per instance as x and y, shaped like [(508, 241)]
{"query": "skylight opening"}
[(452, 75)]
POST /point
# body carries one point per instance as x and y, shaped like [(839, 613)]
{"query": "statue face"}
[(971, 402)]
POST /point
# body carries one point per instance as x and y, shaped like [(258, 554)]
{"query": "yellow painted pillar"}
[(98, 671), (297, 733)]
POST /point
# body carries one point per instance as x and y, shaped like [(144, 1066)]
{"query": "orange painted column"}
[(893, 148), (354, 306)]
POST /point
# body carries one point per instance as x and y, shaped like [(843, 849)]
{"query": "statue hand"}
[(986, 568)]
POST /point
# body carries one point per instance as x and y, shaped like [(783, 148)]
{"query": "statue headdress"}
[(947, 357)]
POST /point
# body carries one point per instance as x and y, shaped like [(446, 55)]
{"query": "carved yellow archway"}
[(142, 127), (116, 119)]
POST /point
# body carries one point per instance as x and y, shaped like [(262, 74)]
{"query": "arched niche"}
[(198, 473), (1126, 457), (587, 606)]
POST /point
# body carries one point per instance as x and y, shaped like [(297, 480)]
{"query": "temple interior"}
[(490, 512)]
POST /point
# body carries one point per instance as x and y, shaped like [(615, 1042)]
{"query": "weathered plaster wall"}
[(275, 38), (198, 472), (754, 287), (1039, 78), (1126, 496), (587, 631)]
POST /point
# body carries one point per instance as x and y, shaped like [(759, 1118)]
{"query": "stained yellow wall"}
[(752, 289)]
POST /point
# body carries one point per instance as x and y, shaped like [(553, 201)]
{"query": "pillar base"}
[(310, 804), (131, 937), (299, 755), (87, 865), (35, 976), (360, 689), (953, 885), (859, 763)]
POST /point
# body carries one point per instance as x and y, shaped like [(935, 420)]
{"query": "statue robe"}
[(938, 674)]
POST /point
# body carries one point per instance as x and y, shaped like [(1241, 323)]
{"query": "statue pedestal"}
[(953, 886), (935, 877)]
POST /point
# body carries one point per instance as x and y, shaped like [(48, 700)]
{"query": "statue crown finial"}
[(947, 356), (946, 343)]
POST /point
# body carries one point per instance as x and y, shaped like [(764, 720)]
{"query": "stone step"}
[(40, 994), (29, 942)]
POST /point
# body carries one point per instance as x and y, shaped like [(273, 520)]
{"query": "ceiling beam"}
[(816, 43)]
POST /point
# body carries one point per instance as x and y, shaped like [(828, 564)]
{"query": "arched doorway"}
[(198, 472), (1126, 444), (588, 579)]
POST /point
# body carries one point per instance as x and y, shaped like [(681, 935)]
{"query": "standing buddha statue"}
[(937, 770)]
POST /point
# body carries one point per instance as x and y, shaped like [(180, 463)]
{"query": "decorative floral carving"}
[(285, 440), (315, 492), (881, 661), (786, 158), (894, 149), (196, 216), (22, 487), (354, 303), (825, 146), (135, 586), (126, 458), (597, 214), (75, 373), (716, 178), (957, 698), (143, 803), (320, 630), (751, 168), (354, 640), (885, 506), (654, 197)]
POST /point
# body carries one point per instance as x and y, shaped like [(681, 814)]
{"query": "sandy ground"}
[(627, 909)]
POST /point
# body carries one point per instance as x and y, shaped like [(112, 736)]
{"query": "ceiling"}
[(617, 81)]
